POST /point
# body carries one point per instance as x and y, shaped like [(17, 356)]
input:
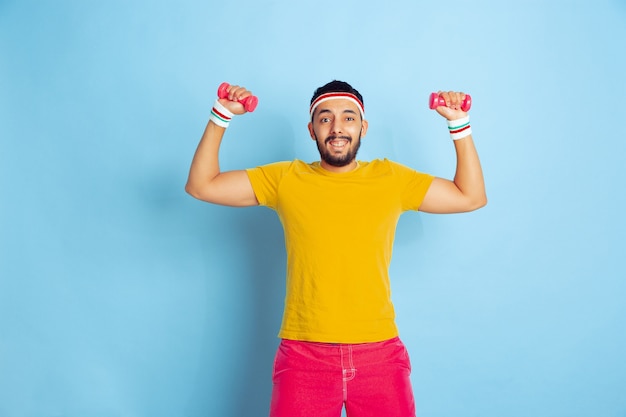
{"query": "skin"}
[(341, 119)]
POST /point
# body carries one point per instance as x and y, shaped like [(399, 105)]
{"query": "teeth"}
[(338, 143)]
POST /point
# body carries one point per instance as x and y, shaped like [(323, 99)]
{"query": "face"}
[(337, 128)]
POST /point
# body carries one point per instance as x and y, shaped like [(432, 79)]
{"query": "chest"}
[(336, 203)]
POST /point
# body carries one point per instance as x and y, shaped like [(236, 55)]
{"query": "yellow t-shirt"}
[(339, 232)]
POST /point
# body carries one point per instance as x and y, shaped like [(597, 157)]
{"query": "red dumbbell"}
[(436, 100), (249, 103)]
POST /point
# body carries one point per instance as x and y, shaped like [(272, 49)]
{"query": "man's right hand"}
[(236, 94)]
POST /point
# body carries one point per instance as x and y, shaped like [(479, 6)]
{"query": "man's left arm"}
[(467, 191)]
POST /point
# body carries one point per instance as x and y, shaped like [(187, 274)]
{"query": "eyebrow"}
[(328, 111)]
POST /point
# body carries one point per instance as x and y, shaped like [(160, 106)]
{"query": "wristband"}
[(459, 128), (220, 115)]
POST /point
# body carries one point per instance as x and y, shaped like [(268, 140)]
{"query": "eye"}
[(324, 120), (350, 119)]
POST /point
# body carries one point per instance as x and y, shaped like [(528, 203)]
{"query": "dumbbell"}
[(436, 100), (249, 103)]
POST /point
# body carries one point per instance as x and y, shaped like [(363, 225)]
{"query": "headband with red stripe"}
[(333, 96)]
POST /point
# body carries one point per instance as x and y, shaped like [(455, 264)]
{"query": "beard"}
[(338, 160)]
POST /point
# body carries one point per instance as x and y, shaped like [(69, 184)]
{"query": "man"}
[(339, 342)]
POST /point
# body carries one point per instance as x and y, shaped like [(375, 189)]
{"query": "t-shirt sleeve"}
[(416, 184), (265, 181)]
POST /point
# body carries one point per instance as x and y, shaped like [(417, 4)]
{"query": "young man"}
[(339, 342)]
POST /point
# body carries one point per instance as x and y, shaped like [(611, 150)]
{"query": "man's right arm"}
[(205, 181)]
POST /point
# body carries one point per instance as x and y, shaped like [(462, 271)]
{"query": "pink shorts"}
[(318, 379)]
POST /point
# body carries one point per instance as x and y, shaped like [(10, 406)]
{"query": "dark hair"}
[(336, 87)]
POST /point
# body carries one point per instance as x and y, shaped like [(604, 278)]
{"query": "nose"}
[(337, 127)]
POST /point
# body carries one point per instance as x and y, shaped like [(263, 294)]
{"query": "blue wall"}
[(122, 296)]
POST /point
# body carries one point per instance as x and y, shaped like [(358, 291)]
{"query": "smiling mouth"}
[(338, 142)]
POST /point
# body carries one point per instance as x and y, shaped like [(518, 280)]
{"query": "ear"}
[(364, 126), (311, 131)]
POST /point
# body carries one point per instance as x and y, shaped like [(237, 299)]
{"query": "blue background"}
[(122, 296)]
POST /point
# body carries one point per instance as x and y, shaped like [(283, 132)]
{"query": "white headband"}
[(333, 96)]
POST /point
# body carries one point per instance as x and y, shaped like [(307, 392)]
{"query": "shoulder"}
[(271, 167), (279, 170), (400, 168), (385, 166), (398, 173)]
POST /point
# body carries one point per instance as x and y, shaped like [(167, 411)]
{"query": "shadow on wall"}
[(253, 253), (264, 248)]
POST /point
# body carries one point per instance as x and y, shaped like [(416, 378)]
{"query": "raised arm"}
[(467, 191), (206, 182)]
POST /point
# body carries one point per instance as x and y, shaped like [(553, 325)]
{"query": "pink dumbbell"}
[(249, 103), (436, 100)]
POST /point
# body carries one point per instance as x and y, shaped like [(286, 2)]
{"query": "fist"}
[(236, 99), (452, 109)]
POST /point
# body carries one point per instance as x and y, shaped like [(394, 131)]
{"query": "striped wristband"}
[(220, 115), (459, 128)]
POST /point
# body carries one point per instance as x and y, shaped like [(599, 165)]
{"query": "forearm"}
[(205, 165), (468, 177)]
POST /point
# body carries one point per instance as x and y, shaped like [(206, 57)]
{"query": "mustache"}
[(333, 137)]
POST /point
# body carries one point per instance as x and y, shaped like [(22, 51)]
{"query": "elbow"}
[(202, 192), (478, 203), (192, 191)]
